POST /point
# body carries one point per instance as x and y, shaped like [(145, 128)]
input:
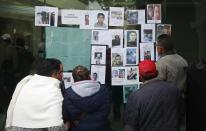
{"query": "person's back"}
[(41, 98), (87, 102), (174, 67), (171, 66), (156, 106)]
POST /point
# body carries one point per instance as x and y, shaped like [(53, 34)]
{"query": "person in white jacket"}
[(36, 104)]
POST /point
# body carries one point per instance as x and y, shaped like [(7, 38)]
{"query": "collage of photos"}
[(116, 16), (118, 76), (94, 20), (46, 16), (154, 13), (126, 51), (125, 75), (98, 55)]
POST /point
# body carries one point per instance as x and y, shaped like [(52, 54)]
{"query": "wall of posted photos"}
[(128, 47)]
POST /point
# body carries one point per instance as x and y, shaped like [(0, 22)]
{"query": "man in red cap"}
[(157, 106)]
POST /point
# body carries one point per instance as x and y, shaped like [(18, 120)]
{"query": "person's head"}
[(100, 17), (121, 75), (116, 37), (147, 70), (95, 76), (164, 44), (150, 11), (80, 73), (86, 16), (98, 55), (118, 59), (132, 36), (167, 30), (51, 68), (157, 13)]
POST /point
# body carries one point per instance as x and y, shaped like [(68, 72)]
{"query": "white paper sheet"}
[(131, 38), (98, 73), (141, 16), (68, 79), (117, 56), (46, 16), (118, 75), (71, 17), (148, 33), (101, 37), (146, 51), (163, 29), (132, 75), (86, 19), (98, 55), (116, 16), (131, 56), (100, 19), (154, 13), (116, 38)]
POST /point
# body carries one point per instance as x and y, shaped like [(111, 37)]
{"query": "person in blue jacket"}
[(86, 104)]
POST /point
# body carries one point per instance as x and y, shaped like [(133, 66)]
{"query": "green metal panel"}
[(70, 45)]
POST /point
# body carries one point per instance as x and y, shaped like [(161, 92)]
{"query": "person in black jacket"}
[(156, 106), (86, 104)]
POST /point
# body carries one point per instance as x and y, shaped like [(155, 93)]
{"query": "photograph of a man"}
[(100, 21), (116, 40), (157, 12), (131, 39), (94, 76), (87, 19), (121, 73), (150, 12), (95, 35), (117, 60)]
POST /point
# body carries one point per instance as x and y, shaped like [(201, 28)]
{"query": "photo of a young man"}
[(100, 21), (131, 39), (117, 59)]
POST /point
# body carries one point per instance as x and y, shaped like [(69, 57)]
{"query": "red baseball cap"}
[(147, 68)]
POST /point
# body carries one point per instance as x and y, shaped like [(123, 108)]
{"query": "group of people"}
[(41, 103), (13, 54)]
